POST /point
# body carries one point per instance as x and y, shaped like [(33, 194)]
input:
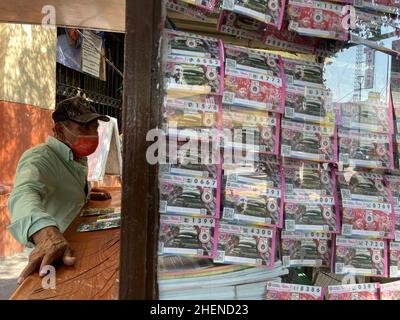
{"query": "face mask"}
[(84, 145)]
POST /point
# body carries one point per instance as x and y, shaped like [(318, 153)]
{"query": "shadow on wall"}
[(21, 127), (28, 54)]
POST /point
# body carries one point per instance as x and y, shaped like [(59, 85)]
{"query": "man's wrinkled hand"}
[(50, 246), (99, 194)]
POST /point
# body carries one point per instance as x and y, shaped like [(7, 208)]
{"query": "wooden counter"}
[(96, 271)]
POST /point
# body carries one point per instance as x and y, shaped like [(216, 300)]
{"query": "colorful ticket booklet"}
[(361, 291), (99, 225), (361, 257), (246, 245), (288, 291), (88, 212), (181, 235)]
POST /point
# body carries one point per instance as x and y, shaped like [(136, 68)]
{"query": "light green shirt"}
[(49, 190)]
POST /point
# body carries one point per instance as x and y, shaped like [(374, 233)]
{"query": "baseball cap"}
[(78, 110)]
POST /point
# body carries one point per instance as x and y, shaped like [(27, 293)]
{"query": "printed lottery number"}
[(202, 221), (262, 232)]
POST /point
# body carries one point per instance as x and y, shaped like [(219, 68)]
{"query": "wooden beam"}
[(141, 112), (108, 15)]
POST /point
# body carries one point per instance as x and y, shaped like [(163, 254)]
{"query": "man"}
[(51, 185)]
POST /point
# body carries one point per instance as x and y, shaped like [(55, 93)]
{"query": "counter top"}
[(96, 271)]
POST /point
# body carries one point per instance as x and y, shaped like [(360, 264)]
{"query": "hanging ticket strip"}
[(295, 177)]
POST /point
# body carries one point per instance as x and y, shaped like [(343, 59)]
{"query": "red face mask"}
[(84, 145)]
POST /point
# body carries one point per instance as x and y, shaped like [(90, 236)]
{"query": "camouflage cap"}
[(78, 110)]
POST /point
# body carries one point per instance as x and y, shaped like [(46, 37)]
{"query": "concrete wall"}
[(28, 65), (3, 44), (8, 245), (21, 127), (27, 97)]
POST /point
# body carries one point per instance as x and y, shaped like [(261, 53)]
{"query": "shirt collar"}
[(60, 148)]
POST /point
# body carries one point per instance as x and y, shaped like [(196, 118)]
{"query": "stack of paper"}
[(182, 278)]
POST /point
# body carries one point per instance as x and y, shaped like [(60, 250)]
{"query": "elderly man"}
[(51, 185)]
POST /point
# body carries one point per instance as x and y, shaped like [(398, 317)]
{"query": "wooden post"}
[(141, 112)]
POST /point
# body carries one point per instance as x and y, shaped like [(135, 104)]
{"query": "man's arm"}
[(50, 246), (30, 221), (28, 214)]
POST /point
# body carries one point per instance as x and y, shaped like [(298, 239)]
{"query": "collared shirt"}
[(50, 189)]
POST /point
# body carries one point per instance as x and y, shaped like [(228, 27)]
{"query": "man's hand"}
[(50, 246), (99, 194)]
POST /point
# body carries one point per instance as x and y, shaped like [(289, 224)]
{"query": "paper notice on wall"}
[(369, 68), (107, 159), (91, 58)]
